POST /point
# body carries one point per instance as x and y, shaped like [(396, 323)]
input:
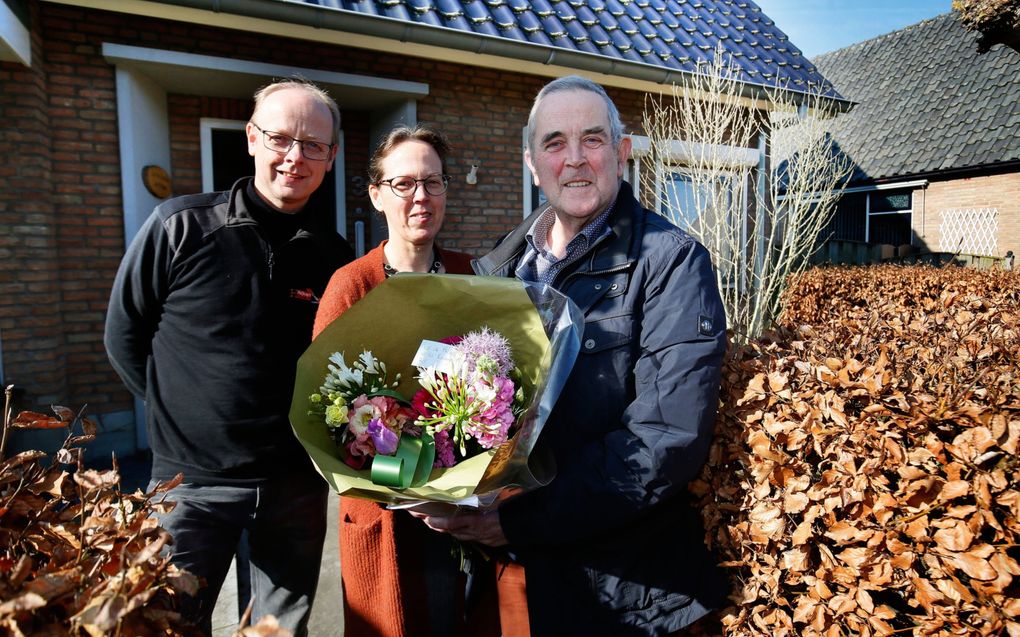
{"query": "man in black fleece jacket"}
[(210, 310)]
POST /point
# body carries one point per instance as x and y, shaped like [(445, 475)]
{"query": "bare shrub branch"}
[(760, 219)]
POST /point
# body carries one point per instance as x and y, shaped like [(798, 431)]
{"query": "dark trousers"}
[(285, 521)]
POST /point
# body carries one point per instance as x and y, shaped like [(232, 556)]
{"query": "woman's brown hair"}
[(401, 134)]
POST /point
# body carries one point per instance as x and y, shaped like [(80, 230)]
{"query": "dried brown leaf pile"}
[(865, 477), (77, 556)]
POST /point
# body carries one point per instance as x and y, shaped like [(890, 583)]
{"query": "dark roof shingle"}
[(926, 101), (678, 35)]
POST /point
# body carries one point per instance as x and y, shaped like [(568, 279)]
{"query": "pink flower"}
[(474, 405), (359, 450), (375, 425), (504, 389), (393, 415), (444, 450), (362, 412)]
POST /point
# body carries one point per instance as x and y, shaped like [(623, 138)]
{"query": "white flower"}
[(369, 362), (360, 417), (337, 358), (483, 392)]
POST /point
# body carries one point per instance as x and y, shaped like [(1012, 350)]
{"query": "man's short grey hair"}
[(577, 83), (313, 90)]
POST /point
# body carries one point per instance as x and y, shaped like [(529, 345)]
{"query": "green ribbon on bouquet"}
[(409, 466)]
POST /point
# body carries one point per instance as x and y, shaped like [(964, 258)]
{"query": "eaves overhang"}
[(341, 27), (15, 38)]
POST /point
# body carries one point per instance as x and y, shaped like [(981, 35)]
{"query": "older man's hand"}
[(468, 526)]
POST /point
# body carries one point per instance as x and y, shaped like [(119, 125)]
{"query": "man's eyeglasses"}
[(405, 187), (280, 143)]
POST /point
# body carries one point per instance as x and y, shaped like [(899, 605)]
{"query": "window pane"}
[(847, 224), (891, 229), (680, 200), (231, 160), (889, 200), (707, 204), (691, 203)]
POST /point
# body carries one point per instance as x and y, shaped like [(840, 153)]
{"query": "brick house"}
[(935, 139), (95, 92)]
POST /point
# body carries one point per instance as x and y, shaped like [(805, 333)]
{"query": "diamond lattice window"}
[(970, 231)]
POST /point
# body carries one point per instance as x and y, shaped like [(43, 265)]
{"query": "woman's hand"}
[(468, 526)]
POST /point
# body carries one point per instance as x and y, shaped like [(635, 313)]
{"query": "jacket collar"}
[(239, 214), (237, 211), (610, 253)]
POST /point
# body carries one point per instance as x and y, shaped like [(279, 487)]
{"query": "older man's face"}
[(572, 156), (287, 180)]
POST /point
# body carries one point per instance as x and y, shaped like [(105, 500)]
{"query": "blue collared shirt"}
[(539, 264)]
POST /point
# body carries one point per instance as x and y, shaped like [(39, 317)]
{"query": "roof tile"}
[(927, 101), (667, 33)]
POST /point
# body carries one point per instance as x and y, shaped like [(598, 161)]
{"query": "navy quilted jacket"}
[(611, 545)]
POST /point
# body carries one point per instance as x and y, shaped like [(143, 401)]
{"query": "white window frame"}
[(678, 158), (912, 186), (526, 184), (206, 127), (869, 213)]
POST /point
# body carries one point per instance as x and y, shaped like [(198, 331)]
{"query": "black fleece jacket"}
[(210, 310)]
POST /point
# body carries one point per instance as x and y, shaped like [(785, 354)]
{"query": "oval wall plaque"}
[(156, 181)]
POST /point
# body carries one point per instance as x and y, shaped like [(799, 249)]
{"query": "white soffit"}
[(193, 74), (15, 43)]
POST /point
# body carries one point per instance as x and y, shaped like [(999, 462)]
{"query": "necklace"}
[(389, 270)]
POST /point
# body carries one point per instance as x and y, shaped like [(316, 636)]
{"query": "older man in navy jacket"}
[(611, 546)]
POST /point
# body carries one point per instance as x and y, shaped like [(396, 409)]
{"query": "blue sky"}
[(820, 26)]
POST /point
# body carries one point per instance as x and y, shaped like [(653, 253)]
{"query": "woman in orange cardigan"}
[(400, 579)]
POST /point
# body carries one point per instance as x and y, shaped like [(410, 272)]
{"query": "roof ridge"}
[(941, 16)]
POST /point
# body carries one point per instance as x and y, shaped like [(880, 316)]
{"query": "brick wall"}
[(31, 335), (62, 197), (185, 113), (1001, 191)]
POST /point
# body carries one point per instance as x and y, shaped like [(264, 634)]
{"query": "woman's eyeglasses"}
[(405, 187)]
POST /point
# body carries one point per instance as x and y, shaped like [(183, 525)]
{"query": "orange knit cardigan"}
[(354, 280), (380, 566)]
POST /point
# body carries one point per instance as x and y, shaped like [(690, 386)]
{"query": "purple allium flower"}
[(489, 348)]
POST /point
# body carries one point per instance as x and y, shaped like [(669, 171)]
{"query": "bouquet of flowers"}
[(468, 399), (471, 399), (478, 401)]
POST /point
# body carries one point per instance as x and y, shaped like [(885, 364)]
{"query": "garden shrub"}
[(864, 475)]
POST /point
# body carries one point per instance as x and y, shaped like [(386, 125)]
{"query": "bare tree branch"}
[(711, 152)]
